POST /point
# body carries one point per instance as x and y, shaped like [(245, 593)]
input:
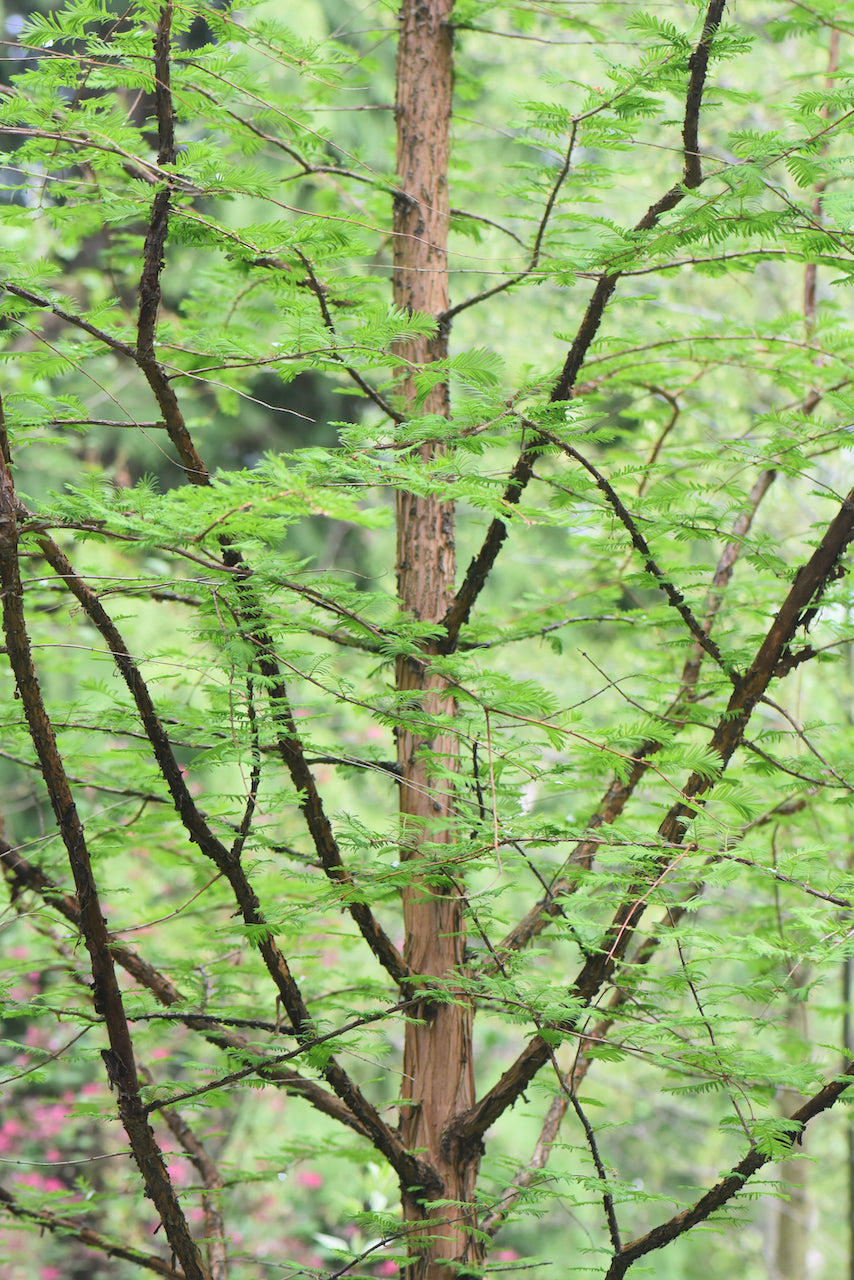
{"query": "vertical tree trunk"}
[(848, 1056), (792, 1215), (438, 1076)]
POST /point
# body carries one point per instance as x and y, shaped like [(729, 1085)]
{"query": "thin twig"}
[(215, 1238), (24, 875), (621, 788), (320, 293)]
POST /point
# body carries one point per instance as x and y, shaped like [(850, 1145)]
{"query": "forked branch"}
[(621, 789), (480, 567), (409, 1167)]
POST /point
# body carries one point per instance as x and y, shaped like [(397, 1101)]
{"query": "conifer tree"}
[(424, 534)]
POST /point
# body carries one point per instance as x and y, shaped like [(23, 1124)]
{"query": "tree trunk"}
[(792, 1214), (848, 1056), (438, 1077)]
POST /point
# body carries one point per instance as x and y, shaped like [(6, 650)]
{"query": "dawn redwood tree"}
[(313, 836), (438, 1058)]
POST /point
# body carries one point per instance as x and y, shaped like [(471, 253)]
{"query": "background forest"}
[(427, 745)]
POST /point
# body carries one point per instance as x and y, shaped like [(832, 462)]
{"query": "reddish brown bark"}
[(437, 1067)]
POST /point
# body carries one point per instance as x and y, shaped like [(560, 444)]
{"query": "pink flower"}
[(49, 1119), (508, 1255), (308, 1178), (50, 1273), (387, 1268)]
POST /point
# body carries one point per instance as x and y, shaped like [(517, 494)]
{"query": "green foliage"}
[(647, 529)]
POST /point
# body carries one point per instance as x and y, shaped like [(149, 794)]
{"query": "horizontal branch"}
[(67, 1226), (255, 1068)]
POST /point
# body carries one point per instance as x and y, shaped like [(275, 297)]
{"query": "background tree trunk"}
[(792, 1215)]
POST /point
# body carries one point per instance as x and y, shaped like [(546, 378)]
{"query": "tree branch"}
[(734, 1182), (598, 1034), (118, 1059), (65, 1226), (23, 875), (406, 1165), (808, 586), (479, 568), (212, 1180), (620, 789), (674, 597), (36, 300), (692, 176), (607, 1198), (290, 744), (158, 227), (320, 293), (155, 243), (292, 754), (447, 316), (478, 571), (572, 1080), (258, 1068)]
